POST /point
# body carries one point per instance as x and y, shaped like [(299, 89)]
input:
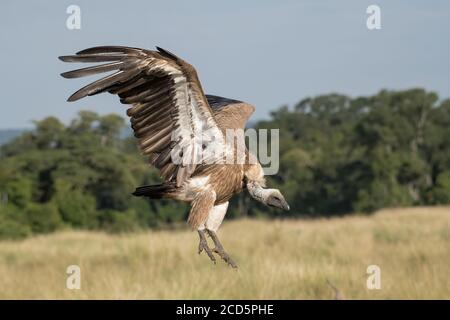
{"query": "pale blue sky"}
[(268, 53)]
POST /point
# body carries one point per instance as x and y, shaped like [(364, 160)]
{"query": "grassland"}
[(277, 259)]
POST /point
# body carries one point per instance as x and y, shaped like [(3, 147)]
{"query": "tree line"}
[(338, 155)]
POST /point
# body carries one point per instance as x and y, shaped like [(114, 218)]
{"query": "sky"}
[(267, 53)]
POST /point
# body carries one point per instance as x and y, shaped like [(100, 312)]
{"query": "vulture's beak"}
[(278, 201), (285, 206)]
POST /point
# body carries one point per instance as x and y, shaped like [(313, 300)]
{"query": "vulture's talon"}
[(225, 257), (203, 245), (220, 251)]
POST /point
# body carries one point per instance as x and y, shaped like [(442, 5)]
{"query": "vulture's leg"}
[(203, 245), (219, 249), (200, 208)]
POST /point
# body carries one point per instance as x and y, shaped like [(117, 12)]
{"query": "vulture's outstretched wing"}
[(170, 115), (233, 114), (230, 113)]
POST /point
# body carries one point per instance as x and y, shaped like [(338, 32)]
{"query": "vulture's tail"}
[(157, 191)]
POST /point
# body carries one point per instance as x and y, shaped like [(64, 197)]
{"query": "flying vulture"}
[(183, 133)]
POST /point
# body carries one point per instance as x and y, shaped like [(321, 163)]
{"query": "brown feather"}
[(201, 206), (109, 49), (99, 85), (152, 143), (92, 58), (92, 70)]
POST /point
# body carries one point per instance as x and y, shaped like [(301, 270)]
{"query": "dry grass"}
[(277, 259)]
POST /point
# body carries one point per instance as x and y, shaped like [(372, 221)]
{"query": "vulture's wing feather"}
[(230, 113), (169, 112)]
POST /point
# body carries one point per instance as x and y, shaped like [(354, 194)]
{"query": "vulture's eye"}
[(275, 199)]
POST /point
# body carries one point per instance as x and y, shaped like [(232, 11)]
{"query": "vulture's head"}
[(270, 197), (274, 198)]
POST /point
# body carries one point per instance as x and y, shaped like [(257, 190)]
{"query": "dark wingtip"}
[(72, 98), (167, 53), (107, 49), (65, 75)]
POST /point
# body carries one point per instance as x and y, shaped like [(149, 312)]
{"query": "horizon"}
[(250, 123)]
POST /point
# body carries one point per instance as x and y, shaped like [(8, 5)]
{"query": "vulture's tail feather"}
[(157, 191)]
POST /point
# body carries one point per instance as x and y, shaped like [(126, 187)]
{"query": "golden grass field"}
[(277, 260)]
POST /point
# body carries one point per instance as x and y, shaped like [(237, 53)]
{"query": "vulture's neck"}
[(257, 191)]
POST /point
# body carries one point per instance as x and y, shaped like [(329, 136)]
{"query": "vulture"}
[(183, 133)]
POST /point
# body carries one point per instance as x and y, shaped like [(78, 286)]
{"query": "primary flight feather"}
[(182, 131)]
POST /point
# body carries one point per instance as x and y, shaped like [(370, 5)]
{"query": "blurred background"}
[(364, 119)]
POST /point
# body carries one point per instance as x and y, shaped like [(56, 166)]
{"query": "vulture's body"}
[(182, 131)]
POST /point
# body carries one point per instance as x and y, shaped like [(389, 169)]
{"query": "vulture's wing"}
[(169, 113), (230, 113)]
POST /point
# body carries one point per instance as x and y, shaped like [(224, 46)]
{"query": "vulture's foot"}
[(219, 249), (203, 245)]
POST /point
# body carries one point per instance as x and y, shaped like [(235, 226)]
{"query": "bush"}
[(117, 222), (441, 193), (12, 224), (13, 230), (19, 191), (76, 209), (43, 218)]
